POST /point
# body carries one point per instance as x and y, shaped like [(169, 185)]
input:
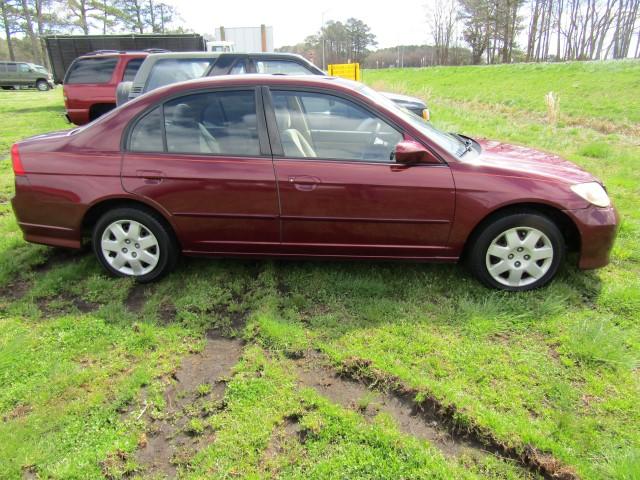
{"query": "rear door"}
[(12, 73), (341, 192), (205, 159)]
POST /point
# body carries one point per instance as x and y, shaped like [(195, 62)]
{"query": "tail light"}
[(18, 169)]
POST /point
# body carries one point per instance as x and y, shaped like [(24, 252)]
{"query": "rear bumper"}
[(79, 116), (598, 228), (34, 228)]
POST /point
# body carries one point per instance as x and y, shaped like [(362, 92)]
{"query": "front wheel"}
[(517, 252), (131, 242), (42, 85)]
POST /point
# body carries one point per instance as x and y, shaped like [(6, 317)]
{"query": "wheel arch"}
[(567, 226), (99, 208), (98, 109)]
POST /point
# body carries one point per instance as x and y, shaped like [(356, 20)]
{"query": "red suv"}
[(91, 81)]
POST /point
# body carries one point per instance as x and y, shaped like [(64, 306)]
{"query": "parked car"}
[(90, 82), (303, 167), (164, 68), (24, 74)]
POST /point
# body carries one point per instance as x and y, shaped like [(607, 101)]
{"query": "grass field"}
[(100, 378)]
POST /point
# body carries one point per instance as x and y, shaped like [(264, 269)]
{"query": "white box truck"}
[(242, 39)]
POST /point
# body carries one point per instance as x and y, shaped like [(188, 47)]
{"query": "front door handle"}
[(304, 183), (150, 176)]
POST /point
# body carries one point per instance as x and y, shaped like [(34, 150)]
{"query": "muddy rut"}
[(168, 442), (313, 372)]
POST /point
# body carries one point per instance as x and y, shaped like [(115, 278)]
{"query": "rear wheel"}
[(42, 85), (517, 252), (131, 242)]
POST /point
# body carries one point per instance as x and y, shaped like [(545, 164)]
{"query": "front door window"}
[(317, 125)]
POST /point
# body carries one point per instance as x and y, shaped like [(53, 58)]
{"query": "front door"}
[(211, 171), (341, 192)]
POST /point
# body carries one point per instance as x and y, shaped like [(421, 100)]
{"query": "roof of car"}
[(199, 54), (334, 83), (185, 55), (114, 53)]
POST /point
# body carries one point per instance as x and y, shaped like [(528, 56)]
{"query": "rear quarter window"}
[(91, 70), (132, 68), (146, 136), (173, 70)]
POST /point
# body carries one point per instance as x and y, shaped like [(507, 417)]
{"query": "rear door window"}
[(12, 67), (132, 68), (173, 70), (239, 68), (91, 70), (284, 67), (217, 123)]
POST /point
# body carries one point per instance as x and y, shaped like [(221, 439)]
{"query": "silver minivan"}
[(23, 74)]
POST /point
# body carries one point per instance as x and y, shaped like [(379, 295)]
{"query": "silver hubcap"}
[(130, 247), (519, 256)]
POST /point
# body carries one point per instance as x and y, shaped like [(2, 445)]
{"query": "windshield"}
[(451, 143)]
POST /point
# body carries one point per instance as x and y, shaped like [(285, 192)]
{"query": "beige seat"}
[(189, 135), (293, 141)]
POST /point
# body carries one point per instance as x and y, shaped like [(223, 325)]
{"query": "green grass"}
[(591, 91), (556, 368)]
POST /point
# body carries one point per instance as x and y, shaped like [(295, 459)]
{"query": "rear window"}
[(3, 67), (173, 70), (132, 68), (91, 70)]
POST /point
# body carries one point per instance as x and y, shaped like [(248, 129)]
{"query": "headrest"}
[(283, 118), (183, 115)]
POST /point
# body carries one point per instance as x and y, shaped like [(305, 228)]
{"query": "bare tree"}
[(442, 20), (26, 17), (9, 19)]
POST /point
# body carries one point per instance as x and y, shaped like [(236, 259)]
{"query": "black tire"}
[(7, 88), (168, 248), (477, 253), (42, 85)]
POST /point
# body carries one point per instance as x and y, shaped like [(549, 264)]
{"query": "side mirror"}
[(122, 92), (410, 152)]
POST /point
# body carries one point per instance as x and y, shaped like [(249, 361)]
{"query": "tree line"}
[(553, 30), (342, 42), (25, 22)]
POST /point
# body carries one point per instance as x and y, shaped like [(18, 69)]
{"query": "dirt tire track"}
[(167, 442), (314, 371), (431, 409)]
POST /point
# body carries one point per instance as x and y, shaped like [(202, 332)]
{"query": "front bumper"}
[(598, 228)]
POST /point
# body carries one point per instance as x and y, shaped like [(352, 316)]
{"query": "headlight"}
[(593, 193)]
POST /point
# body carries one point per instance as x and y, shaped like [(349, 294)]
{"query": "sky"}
[(394, 23)]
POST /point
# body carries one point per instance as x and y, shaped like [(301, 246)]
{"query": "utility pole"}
[(324, 66)]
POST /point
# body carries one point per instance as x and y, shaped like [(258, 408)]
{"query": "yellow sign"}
[(350, 71)]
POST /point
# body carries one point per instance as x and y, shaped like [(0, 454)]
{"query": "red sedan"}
[(303, 167)]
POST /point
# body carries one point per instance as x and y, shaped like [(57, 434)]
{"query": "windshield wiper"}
[(468, 143)]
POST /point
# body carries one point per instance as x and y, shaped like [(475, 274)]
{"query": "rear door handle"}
[(150, 176), (304, 183)]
